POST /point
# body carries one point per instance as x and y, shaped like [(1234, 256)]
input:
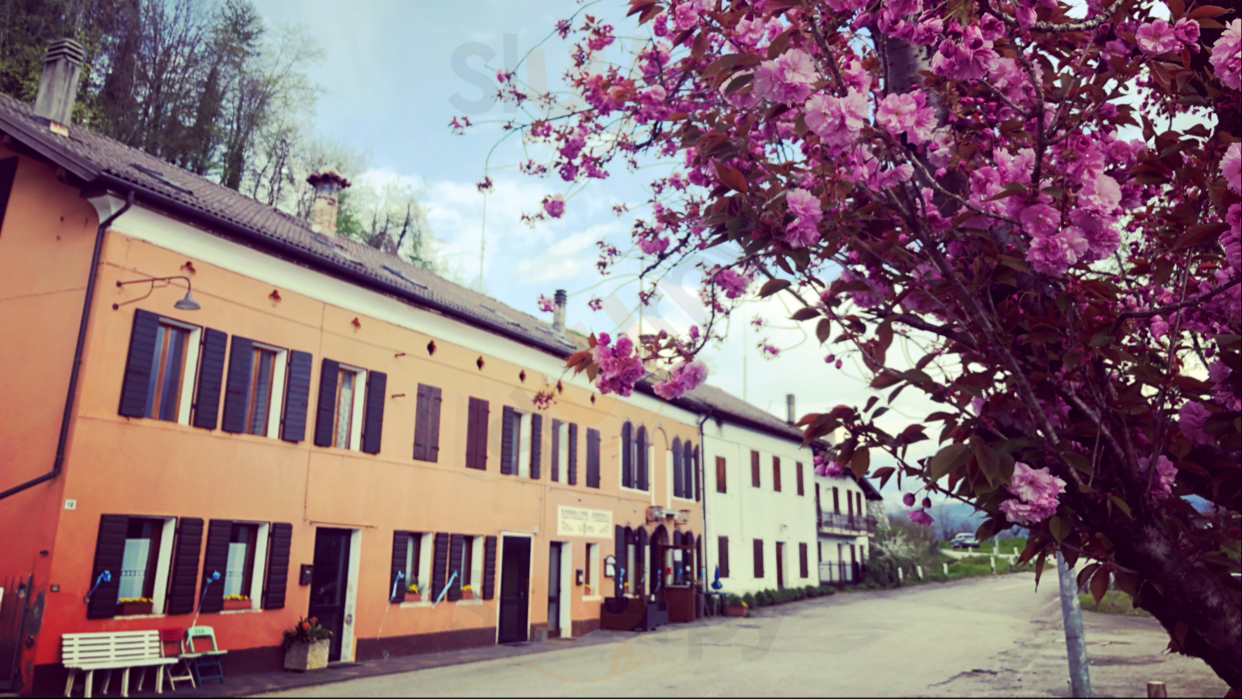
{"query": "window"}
[(266, 388), (560, 449), (641, 458), (141, 558), (754, 469), (798, 474), (776, 473), (722, 556), (688, 458), (720, 475), (412, 557), (592, 475), (758, 555), (836, 500), (803, 562), (427, 424), (170, 386), (468, 568), (347, 418), (516, 432), (678, 473), (590, 575), (632, 557), (627, 455)]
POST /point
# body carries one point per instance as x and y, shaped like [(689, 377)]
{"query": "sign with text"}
[(581, 521)]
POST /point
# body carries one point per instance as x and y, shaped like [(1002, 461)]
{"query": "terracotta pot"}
[(133, 608), (738, 610), (237, 604), (301, 656)]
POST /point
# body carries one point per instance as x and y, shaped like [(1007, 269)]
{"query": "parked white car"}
[(964, 541)]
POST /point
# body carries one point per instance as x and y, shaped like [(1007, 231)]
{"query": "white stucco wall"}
[(744, 513)]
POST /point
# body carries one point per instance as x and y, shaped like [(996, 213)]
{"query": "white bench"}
[(119, 650)]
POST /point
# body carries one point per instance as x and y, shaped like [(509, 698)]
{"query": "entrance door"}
[(515, 590), (329, 580), (554, 590), (780, 565)]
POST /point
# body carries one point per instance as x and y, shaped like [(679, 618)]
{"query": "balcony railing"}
[(846, 522)]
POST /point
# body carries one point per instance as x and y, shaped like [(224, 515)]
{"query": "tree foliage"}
[(1037, 203)]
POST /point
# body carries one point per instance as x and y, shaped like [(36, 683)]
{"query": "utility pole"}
[(1075, 643)]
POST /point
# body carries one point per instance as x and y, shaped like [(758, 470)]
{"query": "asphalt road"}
[(994, 636)]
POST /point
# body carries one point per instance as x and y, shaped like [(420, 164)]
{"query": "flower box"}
[(232, 604), (467, 594), (301, 656), (133, 608), (737, 610)]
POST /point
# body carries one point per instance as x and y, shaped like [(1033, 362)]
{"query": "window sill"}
[(592, 598), (627, 489), (469, 602), (420, 604), (140, 616), (239, 611)]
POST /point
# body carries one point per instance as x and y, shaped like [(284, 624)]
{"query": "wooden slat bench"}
[(119, 650)]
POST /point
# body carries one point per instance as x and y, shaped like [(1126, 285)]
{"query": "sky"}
[(396, 72)]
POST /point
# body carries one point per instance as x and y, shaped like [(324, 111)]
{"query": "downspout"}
[(71, 395), (703, 491)]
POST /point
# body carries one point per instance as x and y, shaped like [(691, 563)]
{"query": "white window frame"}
[(561, 474), (475, 553), (259, 572), (190, 377), (424, 551), (163, 564), (633, 448), (521, 460), (275, 404), (360, 384)]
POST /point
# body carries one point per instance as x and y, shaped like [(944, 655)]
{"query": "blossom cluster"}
[(618, 365), (1036, 492)]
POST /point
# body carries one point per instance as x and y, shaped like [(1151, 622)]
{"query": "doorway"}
[(330, 583), (514, 590), (554, 590), (780, 565)]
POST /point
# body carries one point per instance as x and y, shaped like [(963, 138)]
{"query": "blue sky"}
[(389, 85)]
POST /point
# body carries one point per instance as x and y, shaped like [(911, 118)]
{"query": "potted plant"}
[(237, 602), (467, 592), (586, 590), (412, 589), (306, 645), (132, 606), (737, 607)]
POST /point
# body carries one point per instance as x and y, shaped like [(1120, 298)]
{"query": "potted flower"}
[(467, 592), (237, 602), (306, 646), (131, 606), (412, 589), (586, 590), (737, 606)]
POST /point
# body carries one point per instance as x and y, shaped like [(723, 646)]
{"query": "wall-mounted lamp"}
[(187, 303)]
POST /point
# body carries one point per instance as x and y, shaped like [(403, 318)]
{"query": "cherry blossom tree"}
[(1038, 202)]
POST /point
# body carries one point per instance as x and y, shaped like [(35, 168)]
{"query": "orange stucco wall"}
[(131, 466)]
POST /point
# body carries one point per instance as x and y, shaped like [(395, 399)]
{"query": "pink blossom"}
[(1191, 419), (1186, 30), (769, 351), (1025, 513), (1231, 167), (683, 378), (734, 284), (1157, 37), (619, 369), (1227, 57), (1159, 327), (921, 517), (908, 499), (1231, 240), (909, 114), (786, 79), (554, 205), (1166, 474), (803, 204), (837, 121), (1036, 493), (1040, 220), (546, 304)]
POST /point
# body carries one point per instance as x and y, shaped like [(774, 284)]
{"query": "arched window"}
[(640, 549), (687, 465), (678, 475), (659, 538), (641, 467), (627, 455)]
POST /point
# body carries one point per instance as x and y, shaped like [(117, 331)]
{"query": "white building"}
[(845, 527), (759, 498)]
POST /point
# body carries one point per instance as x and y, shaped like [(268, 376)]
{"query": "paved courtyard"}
[(985, 636)]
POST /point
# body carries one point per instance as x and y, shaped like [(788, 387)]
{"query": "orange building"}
[(317, 428)]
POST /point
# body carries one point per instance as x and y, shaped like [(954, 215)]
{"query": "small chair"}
[(172, 637), (205, 664)]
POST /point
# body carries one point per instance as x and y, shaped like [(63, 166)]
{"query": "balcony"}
[(831, 522)]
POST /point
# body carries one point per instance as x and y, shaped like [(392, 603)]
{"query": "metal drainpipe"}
[(59, 461), (703, 488)]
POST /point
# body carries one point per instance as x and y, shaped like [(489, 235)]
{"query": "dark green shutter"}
[(278, 546), (210, 378), (400, 547), (556, 451), (489, 567), (641, 467), (325, 409), (439, 558), (109, 554), (183, 578), (536, 444), (138, 364), (573, 454), (592, 457), (722, 543), (627, 455), (507, 456), (237, 387), (456, 544), (297, 397), (758, 556), (373, 418), (476, 434), (216, 560), (677, 472), (620, 558)]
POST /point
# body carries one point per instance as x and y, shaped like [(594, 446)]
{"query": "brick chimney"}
[(328, 184), (58, 87)]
